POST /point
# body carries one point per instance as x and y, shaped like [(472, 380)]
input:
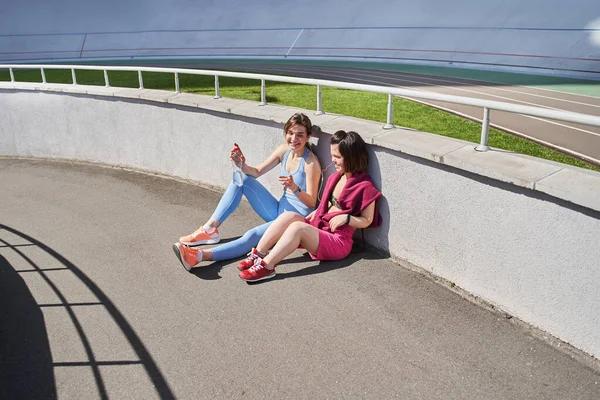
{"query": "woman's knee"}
[(290, 216), (247, 182), (298, 227)]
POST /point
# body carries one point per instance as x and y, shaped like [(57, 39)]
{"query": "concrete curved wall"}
[(539, 35), (528, 253)]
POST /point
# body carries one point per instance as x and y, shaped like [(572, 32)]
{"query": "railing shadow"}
[(21, 319), (26, 370)]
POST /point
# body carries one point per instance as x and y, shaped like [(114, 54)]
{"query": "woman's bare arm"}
[(365, 218), (312, 169), (266, 165)]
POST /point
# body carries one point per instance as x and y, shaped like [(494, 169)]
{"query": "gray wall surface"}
[(546, 36), (531, 255)]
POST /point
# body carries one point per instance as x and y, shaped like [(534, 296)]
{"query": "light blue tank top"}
[(299, 175), (289, 201)]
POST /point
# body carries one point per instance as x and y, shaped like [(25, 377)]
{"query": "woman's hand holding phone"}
[(237, 156)]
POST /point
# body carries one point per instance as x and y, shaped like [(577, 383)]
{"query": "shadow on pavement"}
[(212, 271), (26, 365), (323, 266), (26, 370)]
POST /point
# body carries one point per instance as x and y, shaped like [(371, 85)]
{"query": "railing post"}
[(485, 127), (141, 79), (263, 93), (319, 101), (177, 83), (390, 113), (12, 74), (106, 81), (73, 76), (217, 95), (43, 75)]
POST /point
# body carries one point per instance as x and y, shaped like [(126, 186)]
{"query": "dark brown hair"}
[(299, 119), (353, 149)]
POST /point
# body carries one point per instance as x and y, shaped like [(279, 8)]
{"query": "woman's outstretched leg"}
[(261, 200), (191, 257), (236, 248)]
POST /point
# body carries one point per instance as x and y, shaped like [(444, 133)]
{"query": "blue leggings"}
[(263, 203)]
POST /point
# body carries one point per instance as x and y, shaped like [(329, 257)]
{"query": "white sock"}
[(199, 257), (269, 268), (208, 228)]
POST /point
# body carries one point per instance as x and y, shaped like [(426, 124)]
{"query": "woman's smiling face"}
[(336, 158), (296, 137)]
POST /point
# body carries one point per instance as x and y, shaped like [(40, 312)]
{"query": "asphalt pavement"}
[(94, 304)]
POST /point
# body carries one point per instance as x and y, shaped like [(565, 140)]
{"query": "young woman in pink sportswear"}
[(349, 203)]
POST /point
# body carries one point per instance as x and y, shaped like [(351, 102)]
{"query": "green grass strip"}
[(364, 105)]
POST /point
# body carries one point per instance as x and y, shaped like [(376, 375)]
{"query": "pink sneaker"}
[(200, 236), (248, 262), (187, 255), (257, 272)]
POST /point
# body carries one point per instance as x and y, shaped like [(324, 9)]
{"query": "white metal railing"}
[(487, 105)]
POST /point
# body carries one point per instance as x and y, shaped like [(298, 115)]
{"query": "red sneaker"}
[(257, 272), (248, 262)]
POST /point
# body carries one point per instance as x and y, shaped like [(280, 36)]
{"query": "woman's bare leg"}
[(298, 232), (276, 230)]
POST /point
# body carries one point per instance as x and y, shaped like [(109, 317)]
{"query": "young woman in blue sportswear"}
[(299, 176)]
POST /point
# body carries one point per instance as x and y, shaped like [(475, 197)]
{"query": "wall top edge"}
[(573, 184)]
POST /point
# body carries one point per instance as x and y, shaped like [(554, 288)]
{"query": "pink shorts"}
[(333, 246)]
